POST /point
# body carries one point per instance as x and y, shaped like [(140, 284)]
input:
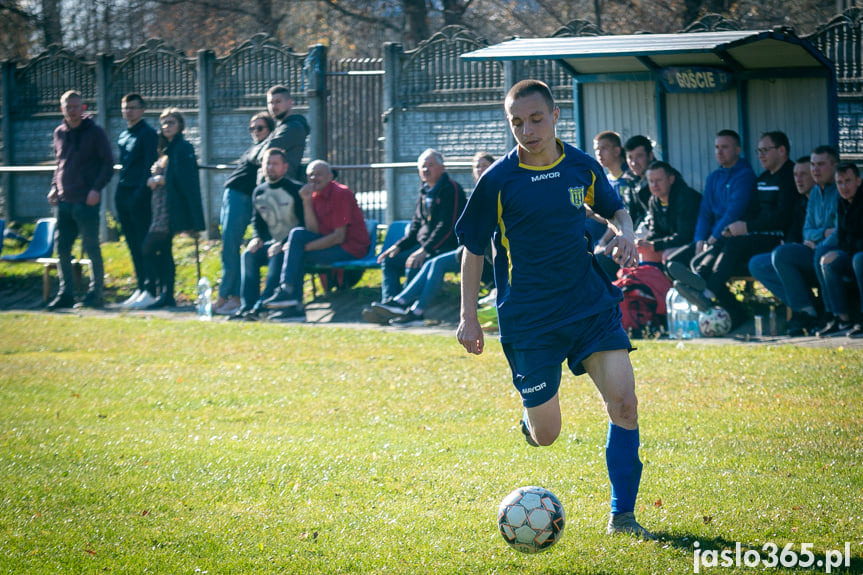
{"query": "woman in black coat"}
[(176, 205)]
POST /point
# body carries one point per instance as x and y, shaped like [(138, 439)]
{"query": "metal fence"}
[(368, 116)]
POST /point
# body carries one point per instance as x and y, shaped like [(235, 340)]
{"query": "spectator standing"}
[(335, 230), (237, 211), (842, 259), (430, 233), (176, 207), (635, 190), (290, 131), (84, 167), (137, 143)]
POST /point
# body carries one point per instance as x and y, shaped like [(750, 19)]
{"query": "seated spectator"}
[(788, 272), (430, 233), (671, 213), (237, 211), (335, 230), (407, 308), (277, 210), (721, 247), (842, 260), (634, 190)]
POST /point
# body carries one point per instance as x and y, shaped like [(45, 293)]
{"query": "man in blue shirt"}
[(728, 193), (553, 301)]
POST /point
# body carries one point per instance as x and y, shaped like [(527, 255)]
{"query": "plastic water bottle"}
[(205, 299), (690, 324), (682, 316), (672, 313)]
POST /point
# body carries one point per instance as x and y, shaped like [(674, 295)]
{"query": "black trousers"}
[(133, 213)]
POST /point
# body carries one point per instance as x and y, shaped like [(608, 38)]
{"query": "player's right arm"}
[(469, 331)]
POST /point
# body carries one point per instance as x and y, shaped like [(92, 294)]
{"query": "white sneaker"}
[(132, 298), (142, 302)]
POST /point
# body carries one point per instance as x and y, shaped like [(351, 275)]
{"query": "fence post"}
[(8, 181), (315, 70), (392, 79), (104, 62), (512, 74), (205, 82)]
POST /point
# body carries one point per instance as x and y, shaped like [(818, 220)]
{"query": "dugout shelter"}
[(680, 89)]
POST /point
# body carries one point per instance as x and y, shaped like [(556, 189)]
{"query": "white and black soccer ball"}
[(531, 519), (714, 323)]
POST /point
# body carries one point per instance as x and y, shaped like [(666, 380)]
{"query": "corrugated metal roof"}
[(742, 50)]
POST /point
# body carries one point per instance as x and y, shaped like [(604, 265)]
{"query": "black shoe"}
[(801, 324), (834, 327), (410, 319), (62, 301), (238, 315), (389, 309), (293, 314), (91, 300), (686, 276), (856, 331), (694, 296), (163, 301), (281, 299)]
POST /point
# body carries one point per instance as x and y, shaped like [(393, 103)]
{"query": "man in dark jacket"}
[(290, 133), (842, 259), (137, 143), (84, 166), (671, 213), (762, 227), (440, 203)]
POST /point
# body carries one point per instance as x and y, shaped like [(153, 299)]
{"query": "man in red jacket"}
[(84, 166)]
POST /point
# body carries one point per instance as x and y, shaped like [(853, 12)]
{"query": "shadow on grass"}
[(718, 552)]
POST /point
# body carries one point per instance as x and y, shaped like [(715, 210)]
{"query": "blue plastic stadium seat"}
[(42, 244), (395, 232)]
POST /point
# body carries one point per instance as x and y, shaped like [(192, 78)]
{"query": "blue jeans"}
[(392, 270), (789, 273), (234, 218), (74, 219), (427, 282), (252, 263), (296, 257), (843, 267)]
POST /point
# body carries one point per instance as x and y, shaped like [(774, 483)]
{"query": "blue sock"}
[(624, 467)]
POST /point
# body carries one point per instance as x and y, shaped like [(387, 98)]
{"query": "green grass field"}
[(133, 445)]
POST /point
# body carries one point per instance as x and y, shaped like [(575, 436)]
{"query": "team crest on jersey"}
[(576, 196)]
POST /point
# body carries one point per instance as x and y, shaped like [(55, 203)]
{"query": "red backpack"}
[(643, 306)]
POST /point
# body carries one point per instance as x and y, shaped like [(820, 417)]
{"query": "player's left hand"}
[(623, 251)]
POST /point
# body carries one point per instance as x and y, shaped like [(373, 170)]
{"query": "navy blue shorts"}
[(536, 370)]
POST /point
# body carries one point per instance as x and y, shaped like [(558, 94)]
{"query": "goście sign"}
[(695, 79)]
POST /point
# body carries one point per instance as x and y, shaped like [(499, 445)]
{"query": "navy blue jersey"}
[(545, 273)]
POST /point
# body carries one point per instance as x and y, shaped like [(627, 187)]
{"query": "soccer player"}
[(553, 301)]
